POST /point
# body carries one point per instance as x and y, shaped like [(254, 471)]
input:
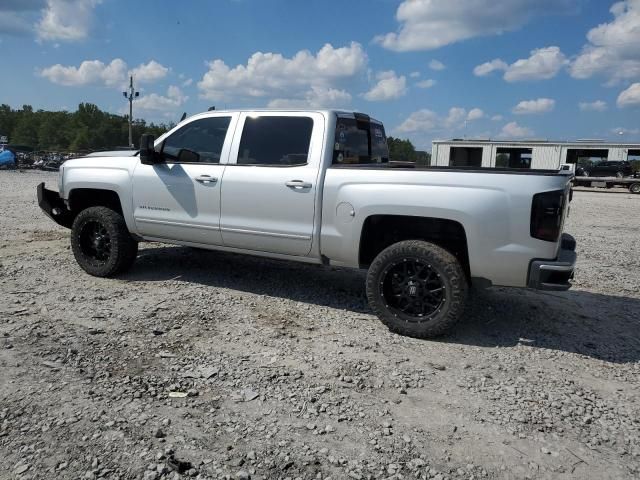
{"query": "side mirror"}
[(147, 152), (188, 156)]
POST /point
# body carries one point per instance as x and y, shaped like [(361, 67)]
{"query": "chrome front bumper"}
[(555, 274)]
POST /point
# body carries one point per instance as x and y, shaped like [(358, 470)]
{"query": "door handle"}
[(298, 184), (206, 179)]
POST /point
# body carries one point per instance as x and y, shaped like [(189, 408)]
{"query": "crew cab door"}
[(270, 185), (178, 199)]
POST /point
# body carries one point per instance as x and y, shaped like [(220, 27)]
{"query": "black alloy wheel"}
[(413, 289), (101, 242), (95, 242), (417, 288)]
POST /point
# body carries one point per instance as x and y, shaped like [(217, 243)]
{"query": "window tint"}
[(352, 143), (514, 157), (275, 141), (205, 137)]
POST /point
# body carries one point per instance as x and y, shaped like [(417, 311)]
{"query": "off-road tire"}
[(452, 276), (635, 188), (123, 248)]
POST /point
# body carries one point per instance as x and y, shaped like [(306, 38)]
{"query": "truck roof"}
[(330, 111)]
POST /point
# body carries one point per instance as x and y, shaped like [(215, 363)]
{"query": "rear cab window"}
[(359, 141)]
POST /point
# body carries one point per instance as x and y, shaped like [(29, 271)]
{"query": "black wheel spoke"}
[(414, 289), (95, 242)]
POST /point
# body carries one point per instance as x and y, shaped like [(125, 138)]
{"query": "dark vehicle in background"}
[(618, 169)]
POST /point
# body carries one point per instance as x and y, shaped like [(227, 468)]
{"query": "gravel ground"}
[(212, 365)]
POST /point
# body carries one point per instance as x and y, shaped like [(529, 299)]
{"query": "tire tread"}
[(451, 268), (124, 247)]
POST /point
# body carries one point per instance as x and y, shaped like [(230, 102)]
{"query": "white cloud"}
[(90, 72), (530, 107), (456, 117), (513, 130), (431, 24), (426, 83), (497, 118), (150, 72), (428, 121), (66, 20), (389, 87), (625, 131), (596, 106), (160, 103), (630, 97), (272, 74), (436, 65), (187, 82), (414, 74), (542, 64), (316, 97), (420, 121), (612, 50), (475, 114), (488, 67)]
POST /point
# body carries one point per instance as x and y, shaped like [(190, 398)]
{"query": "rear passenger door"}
[(269, 187)]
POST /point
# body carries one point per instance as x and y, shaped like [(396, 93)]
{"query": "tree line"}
[(88, 128), (404, 151)]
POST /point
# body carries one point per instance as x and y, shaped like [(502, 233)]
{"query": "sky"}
[(429, 69)]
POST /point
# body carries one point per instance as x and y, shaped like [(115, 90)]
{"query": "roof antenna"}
[(184, 115), (210, 109)]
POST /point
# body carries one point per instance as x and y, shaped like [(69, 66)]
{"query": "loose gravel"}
[(209, 365)]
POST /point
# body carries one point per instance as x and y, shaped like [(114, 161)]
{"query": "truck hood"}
[(113, 153)]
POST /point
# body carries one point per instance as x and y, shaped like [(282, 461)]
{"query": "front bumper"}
[(555, 274), (53, 206)]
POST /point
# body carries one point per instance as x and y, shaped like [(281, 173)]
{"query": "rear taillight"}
[(546, 215)]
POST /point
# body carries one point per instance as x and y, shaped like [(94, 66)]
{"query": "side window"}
[(278, 141), (204, 137)]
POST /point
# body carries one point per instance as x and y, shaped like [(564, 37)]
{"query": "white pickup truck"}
[(318, 187)]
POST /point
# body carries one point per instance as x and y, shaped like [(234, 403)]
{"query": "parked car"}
[(317, 187), (618, 169)]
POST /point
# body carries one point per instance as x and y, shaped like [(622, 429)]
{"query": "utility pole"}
[(130, 95)]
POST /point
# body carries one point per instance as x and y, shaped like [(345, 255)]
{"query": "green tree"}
[(25, 131), (404, 151), (88, 128)]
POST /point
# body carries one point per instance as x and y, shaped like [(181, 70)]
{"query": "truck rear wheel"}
[(417, 289), (101, 242)]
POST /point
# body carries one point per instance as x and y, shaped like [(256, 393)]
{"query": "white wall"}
[(546, 157), (549, 157), (618, 154)]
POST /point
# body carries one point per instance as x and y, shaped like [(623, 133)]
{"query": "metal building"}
[(527, 154)]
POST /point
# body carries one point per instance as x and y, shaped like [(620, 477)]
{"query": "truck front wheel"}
[(417, 289), (101, 242)]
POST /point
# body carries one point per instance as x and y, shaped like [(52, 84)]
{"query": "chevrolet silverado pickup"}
[(318, 187)]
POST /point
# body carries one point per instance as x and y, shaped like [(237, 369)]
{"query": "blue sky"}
[(556, 69)]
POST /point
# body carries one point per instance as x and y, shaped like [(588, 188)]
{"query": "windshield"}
[(358, 142)]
